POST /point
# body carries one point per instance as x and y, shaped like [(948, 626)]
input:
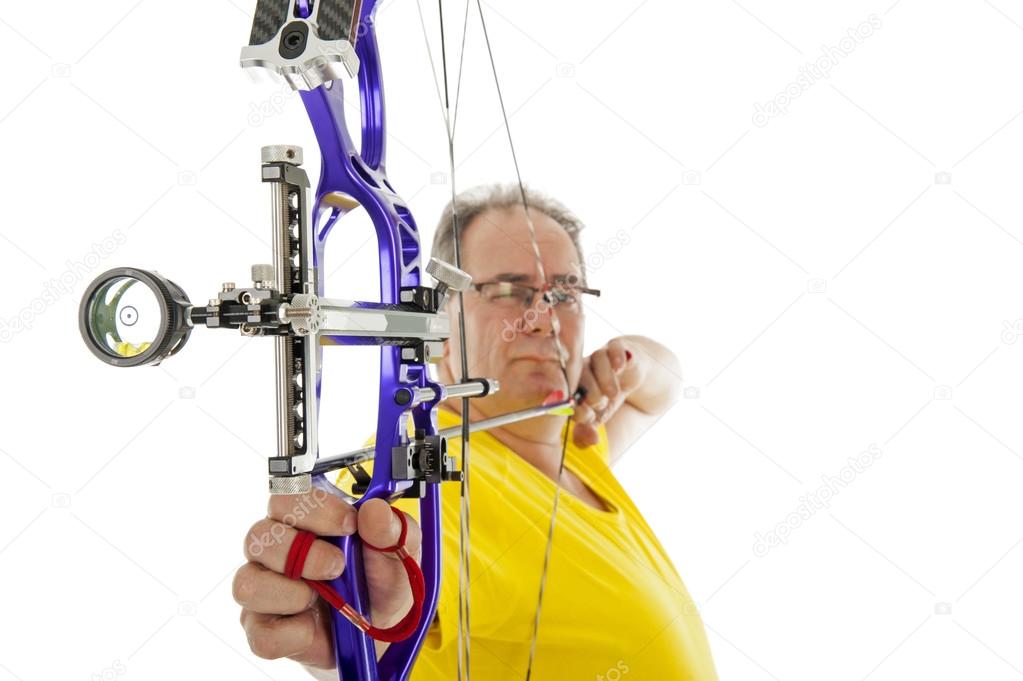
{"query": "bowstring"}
[(463, 519), (449, 121), (556, 327)]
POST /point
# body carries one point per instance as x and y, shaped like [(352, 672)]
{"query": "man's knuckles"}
[(268, 542), (261, 590), (317, 511), (272, 637), (379, 526)]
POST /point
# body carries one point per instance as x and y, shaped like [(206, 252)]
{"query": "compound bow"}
[(130, 317)]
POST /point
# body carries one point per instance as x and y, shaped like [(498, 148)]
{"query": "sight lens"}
[(131, 317)]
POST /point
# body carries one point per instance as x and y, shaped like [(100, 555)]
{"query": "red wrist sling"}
[(403, 629)]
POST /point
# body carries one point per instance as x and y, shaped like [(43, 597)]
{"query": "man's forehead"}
[(498, 242)]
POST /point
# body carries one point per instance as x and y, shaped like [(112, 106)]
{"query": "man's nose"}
[(540, 322)]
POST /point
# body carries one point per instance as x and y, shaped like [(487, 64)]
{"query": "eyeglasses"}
[(509, 295)]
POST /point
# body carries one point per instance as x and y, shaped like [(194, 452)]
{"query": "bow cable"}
[(463, 519), (556, 328), (449, 120)]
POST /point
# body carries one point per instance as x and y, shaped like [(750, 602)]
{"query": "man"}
[(614, 603)]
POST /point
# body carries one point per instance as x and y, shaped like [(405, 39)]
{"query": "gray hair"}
[(471, 203)]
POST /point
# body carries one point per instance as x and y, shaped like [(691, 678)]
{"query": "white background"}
[(845, 276)]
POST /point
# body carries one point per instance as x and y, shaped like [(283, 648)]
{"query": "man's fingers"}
[(302, 637), (283, 617), (618, 354), (272, 636), (317, 511), (605, 374), (594, 397), (268, 542), (386, 578), (261, 590), (583, 415), (380, 527), (585, 435), (305, 637)]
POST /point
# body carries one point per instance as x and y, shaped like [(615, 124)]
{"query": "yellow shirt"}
[(614, 607)]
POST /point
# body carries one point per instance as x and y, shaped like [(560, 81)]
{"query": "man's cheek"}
[(509, 330), (572, 335), (494, 330)]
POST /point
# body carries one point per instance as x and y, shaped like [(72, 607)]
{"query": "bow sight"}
[(130, 317)]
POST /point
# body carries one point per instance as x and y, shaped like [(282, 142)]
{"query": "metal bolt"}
[(287, 153), (262, 273), (448, 276)]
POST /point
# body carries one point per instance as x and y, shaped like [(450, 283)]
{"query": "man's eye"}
[(566, 296), (503, 295)]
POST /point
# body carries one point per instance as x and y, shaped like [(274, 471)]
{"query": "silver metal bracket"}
[(302, 53)]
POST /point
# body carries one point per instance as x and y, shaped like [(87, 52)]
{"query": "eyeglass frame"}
[(478, 286)]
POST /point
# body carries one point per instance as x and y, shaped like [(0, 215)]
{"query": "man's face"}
[(516, 344)]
